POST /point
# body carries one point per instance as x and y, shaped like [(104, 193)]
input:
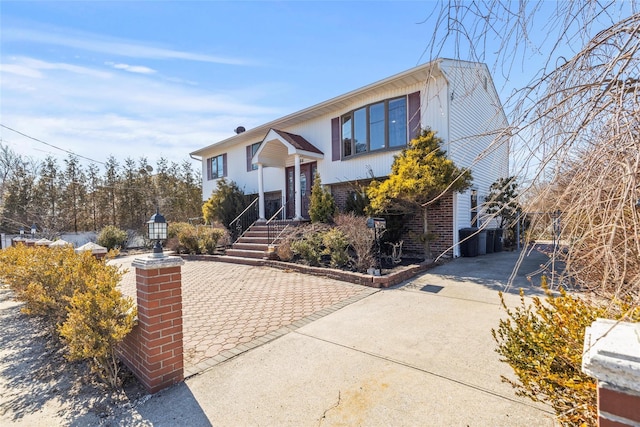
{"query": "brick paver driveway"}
[(231, 308)]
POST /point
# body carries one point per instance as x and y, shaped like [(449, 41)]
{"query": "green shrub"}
[(111, 237), (208, 239), (187, 238), (543, 343), (322, 206), (176, 230), (308, 250), (336, 244)]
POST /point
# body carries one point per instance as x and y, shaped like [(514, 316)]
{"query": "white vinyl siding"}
[(475, 117)]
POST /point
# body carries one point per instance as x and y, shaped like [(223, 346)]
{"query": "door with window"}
[(307, 173)]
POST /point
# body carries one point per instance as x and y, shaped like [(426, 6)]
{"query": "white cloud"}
[(96, 113), (118, 47), (132, 68)]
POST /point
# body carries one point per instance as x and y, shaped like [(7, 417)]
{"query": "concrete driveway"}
[(417, 355)]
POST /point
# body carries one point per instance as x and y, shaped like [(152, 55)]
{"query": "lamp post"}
[(157, 228)]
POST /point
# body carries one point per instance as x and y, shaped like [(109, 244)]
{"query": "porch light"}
[(21, 231), (33, 230), (157, 228)]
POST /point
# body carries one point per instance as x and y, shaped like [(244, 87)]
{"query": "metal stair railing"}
[(244, 221), (275, 228)]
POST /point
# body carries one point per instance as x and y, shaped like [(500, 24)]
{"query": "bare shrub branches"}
[(574, 126)]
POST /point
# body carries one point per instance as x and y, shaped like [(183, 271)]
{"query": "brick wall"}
[(342, 191), (440, 219), (154, 348)]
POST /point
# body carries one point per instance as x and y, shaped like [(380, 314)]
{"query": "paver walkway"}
[(231, 308)]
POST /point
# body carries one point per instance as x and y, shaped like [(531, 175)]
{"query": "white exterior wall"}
[(475, 118), (318, 133), (434, 107), (459, 108), (237, 171)]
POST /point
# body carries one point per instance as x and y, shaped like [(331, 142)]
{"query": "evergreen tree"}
[(73, 195), (322, 206), (420, 174), (225, 204), (48, 194)]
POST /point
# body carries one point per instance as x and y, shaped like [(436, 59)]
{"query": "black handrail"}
[(275, 227), (246, 219)]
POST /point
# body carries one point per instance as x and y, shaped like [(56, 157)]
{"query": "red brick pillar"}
[(153, 350), (612, 356)]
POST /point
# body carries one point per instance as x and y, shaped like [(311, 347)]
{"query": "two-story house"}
[(354, 137)]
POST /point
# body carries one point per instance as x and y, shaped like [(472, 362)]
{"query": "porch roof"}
[(278, 149)]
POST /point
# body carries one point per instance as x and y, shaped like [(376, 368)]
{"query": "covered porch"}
[(297, 158)]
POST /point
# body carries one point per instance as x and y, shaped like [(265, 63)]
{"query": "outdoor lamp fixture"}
[(157, 228), (21, 231), (33, 230)]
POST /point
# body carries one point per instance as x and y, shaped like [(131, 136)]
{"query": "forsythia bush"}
[(77, 296), (99, 318), (543, 343)]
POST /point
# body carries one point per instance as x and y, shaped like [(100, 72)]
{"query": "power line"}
[(50, 145)]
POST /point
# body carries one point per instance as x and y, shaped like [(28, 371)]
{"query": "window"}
[(251, 151), (378, 126), (216, 167)]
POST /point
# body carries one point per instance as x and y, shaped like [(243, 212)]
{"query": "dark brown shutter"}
[(249, 158), (414, 114), (209, 168), (335, 139), (224, 164)]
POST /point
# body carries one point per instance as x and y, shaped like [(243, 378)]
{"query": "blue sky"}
[(147, 78)]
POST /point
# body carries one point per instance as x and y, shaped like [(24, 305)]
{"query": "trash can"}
[(491, 235), (482, 242), (468, 242), (497, 243)]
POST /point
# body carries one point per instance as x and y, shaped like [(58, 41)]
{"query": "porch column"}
[(260, 193), (298, 193)]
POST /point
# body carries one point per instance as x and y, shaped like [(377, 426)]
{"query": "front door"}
[(307, 173)]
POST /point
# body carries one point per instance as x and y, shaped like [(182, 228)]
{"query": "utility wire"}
[(51, 145)]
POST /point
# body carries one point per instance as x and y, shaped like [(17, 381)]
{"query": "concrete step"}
[(250, 246), (245, 253), (255, 233), (253, 239)]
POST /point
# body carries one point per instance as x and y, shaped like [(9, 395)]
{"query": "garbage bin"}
[(491, 235), (468, 242), (497, 243), (482, 242)]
